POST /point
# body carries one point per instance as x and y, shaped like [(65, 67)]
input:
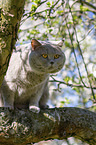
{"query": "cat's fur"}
[(26, 81)]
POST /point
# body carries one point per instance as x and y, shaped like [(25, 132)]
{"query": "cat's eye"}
[(56, 56), (44, 55)]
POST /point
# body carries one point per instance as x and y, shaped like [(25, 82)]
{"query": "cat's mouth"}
[(51, 67)]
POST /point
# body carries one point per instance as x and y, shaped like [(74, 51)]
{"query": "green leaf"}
[(83, 8), (34, 7), (66, 79), (48, 4), (75, 17), (67, 44), (50, 30), (60, 12), (19, 30), (36, 1), (70, 22)]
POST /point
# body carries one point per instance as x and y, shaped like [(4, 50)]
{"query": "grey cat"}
[(26, 82)]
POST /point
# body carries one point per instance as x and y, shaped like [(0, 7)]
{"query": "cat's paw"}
[(34, 109), (9, 106)]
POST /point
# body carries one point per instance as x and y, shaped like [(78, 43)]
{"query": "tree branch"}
[(79, 48), (86, 3), (73, 49), (69, 84), (22, 126)]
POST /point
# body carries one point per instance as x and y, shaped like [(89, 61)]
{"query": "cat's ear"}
[(35, 43)]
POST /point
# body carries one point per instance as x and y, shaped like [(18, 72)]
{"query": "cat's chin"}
[(46, 71), (49, 71), (53, 70), (39, 72)]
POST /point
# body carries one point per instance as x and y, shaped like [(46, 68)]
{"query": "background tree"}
[(10, 16), (72, 23)]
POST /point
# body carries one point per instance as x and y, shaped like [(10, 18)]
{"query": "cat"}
[(26, 82)]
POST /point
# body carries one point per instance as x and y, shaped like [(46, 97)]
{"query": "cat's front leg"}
[(7, 96), (34, 104), (8, 101), (44, 98)]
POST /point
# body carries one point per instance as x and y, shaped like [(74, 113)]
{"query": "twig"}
[(65, 19), (82, 55), (52, 7), (75, 55), (87, 3), (84, 2), (33, 26), (86, 34), (69, 84)]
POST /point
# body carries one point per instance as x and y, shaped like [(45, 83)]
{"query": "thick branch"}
[(22, 126)]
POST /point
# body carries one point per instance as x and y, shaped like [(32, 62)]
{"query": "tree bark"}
[(10, 15), (22, 126)]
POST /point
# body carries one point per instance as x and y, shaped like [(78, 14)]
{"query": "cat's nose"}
[(51, 62)]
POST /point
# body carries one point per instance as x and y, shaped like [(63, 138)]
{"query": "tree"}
[(10, 16), (61, 20)]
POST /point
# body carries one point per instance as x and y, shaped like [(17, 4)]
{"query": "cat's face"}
[(46, 59)]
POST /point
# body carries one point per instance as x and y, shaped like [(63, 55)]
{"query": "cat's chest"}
[(36, 78), (31, 83), (31, 79)]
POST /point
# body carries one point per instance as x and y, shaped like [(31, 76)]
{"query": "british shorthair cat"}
[(26, 82)]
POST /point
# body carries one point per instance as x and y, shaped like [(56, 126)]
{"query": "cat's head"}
[(45, 58)]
